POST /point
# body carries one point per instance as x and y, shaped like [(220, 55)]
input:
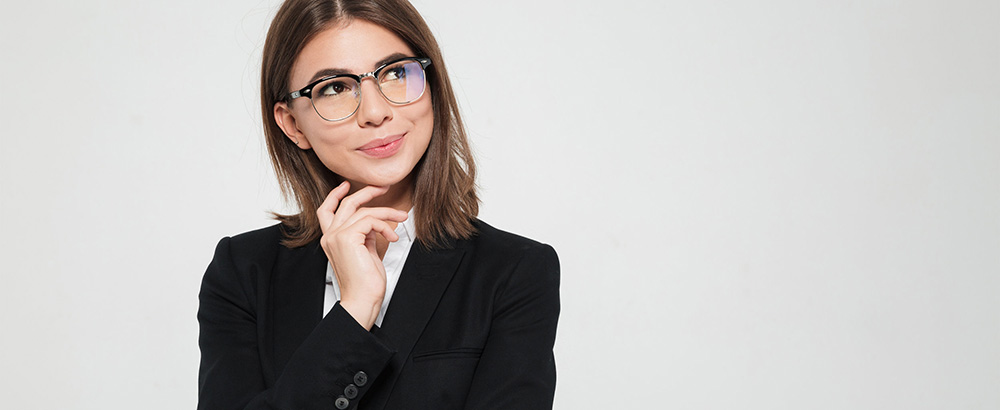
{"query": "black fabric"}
[(468, 327)]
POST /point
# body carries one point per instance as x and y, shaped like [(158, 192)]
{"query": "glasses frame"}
[(374, 74)]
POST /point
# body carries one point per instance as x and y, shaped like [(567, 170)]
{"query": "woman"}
[(298, 315)]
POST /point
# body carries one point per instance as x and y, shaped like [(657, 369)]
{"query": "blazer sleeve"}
[(332, 358), (517, 367)]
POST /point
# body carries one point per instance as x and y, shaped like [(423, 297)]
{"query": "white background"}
[(757, 205)]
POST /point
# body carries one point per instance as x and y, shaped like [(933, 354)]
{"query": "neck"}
[(400, 195)]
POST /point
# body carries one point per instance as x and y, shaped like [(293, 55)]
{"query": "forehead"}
[(356, 47)]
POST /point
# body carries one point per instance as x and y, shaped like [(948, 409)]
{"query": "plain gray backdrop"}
[(757, 205)]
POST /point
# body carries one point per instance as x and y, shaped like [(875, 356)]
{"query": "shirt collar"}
[(408, 227)]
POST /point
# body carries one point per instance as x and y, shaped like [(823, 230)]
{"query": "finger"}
[(325, 210), (383, 213), (350, 204), (370, 243), (371, 224)]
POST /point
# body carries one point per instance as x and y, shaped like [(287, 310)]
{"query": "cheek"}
[(424, 117), (330, 143), (325, 135), (425, 127)]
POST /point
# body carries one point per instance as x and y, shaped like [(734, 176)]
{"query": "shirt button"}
[(342, 403), (351, 391), (361, 378)]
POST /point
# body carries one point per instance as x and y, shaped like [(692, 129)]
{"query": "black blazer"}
[(468, 327)]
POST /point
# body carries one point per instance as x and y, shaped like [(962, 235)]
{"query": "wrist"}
[(364, 311)]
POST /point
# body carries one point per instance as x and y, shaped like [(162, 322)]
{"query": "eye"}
[(332, 88), (394, 73)]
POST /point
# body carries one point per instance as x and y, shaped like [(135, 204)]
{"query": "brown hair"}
[(444, 191)]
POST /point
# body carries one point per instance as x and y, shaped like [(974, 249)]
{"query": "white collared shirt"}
[(395, 257)]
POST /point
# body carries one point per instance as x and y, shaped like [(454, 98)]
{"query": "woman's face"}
[(381, 142)]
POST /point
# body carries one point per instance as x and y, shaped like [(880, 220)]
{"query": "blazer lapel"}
[(425, 276), (297, 289)]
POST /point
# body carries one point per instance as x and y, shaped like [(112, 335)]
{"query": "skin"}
[(358, 217)]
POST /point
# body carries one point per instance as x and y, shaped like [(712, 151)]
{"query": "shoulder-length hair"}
[(444, 194)]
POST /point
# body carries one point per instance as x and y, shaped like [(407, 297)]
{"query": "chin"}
[(381, 180), (385, 172)]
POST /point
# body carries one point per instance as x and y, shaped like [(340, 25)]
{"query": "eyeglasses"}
[(337, 97)]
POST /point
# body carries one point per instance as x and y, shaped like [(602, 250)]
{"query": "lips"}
[(383, 147)]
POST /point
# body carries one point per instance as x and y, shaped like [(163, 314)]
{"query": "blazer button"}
[(341, 403), (351, 391), (361, 378)]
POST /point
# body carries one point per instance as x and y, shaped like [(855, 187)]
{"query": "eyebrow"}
[(326, 72)]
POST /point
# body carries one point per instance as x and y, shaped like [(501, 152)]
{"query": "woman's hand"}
[(349, 233)]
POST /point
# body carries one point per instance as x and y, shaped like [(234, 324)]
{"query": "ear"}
[(286, 121)]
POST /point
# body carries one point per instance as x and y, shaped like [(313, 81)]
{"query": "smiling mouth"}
[(383, 147)]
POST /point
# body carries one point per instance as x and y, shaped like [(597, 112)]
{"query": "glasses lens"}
[(336, 98), (402, 82)]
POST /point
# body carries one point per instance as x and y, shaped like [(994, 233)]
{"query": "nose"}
[(374, 109)]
